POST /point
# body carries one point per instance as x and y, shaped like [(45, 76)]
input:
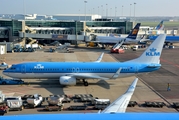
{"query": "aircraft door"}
[(75, 70), (23, 69)]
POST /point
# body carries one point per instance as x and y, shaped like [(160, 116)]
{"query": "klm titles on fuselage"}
[(153, 52), (38, 66)]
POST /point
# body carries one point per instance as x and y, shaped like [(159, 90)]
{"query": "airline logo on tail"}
[(160, 26), (134, 32), (153, 52)]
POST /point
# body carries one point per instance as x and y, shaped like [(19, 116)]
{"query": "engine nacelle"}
[(67, 80)]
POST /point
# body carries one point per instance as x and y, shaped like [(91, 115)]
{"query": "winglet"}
[(120, 104), (100, 58), (132, 86), (116, 75)]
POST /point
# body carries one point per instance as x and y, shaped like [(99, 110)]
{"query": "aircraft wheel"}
[(85, 83), (4, 83)]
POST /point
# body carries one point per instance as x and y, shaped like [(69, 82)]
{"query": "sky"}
[(102, 7)]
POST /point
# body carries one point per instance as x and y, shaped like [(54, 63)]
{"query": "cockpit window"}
[(12, 68)]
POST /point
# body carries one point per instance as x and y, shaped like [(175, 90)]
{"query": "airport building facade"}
[(16, 30)]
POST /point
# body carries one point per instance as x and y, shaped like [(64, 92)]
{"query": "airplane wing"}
[(92, 76), (99, 58), (120, 105), (87, 76)]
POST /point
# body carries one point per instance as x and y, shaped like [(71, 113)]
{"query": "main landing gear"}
[(85, 82)]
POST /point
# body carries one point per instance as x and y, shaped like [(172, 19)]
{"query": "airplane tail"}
[(153, 52), (134, 32), (160, 26)]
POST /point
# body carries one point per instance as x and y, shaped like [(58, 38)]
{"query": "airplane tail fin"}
[(153, 52), (160, 26), (134, 32)]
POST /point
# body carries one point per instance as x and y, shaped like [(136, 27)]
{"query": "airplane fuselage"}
[(53, 70), (111, 39), (169, 39)]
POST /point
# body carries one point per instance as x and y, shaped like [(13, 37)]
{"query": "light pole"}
[(122, 10), (102, 10), (85, 9), (134, 9), (98, 10), (106, 10), (24, 8), (79, 15), (115, 13), (110, 12), (130, 9)]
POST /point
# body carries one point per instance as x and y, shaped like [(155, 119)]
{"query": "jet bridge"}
[(107, 29), (46, 32), (51, 30)]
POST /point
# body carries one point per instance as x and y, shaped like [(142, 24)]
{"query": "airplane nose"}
[(5, 72)]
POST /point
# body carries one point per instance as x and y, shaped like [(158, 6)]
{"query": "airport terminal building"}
[(15, 30)]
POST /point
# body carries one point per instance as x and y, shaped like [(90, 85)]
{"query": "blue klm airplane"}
[(115, 111), (169, 39), (69, 72)]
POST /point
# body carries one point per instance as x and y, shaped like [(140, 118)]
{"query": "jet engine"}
[(67, 80)]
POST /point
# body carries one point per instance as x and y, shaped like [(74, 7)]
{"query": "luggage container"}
[(14, 103), (34, 101), (55, 100)]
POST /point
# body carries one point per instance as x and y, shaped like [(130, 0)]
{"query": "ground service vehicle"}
[(55, 103), (135, 47), (2, 97), (3, 66), (34, 101), (118, 50), (14, 103), (4, 81)]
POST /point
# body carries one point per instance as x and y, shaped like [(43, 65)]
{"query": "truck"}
[(34, 101), (14, 103), (9, 81), (3, 66), (135, 47), (117, 48)]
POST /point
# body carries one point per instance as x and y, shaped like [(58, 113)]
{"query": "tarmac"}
[(151, 87)]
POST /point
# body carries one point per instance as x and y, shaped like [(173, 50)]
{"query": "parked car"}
[(3, 65)]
